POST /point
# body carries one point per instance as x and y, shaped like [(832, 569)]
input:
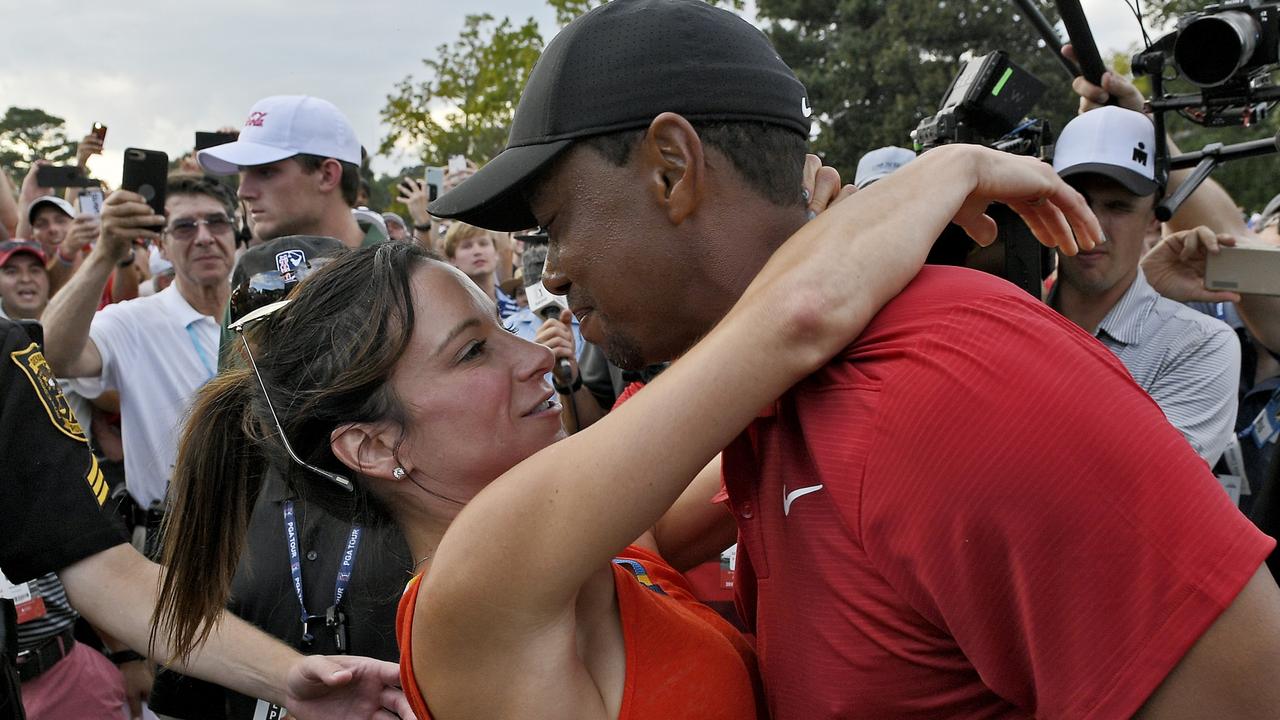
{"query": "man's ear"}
[(674, 165), (366, 448), (330, 175)]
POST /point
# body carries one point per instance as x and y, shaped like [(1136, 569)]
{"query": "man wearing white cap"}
[(879, 163), (1187, 361), (299, 165)]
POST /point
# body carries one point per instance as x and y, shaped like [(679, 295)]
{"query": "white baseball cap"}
[(1113, 142), (282, 126), (53, 200), (880, 162)]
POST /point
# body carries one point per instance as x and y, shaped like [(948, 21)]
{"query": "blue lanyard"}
[(209, 366), (295, 560)]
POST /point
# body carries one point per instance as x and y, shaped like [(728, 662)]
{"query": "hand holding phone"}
[(126, 219)]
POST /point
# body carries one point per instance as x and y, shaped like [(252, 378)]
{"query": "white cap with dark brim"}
[(53, 200), (1113, 142)]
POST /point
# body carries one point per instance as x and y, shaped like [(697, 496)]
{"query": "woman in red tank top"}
[(385, 389)]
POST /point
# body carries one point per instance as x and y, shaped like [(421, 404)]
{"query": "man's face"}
[(476, 256), (205, 258), (49, 227), (281, 199), (1126, 219), (24, 287), (628, 273), (397, 231)]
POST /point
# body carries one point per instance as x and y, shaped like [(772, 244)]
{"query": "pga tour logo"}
[(287, 262)]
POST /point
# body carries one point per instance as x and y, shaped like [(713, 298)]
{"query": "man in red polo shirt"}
[(942, 522)]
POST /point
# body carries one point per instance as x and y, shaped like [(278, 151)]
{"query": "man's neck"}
[(337, 222), (1088, 310), (208, 300), (16, 316)]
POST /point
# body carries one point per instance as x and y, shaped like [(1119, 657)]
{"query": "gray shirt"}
[(1187, 361)]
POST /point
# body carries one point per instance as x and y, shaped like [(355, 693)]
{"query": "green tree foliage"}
[(28, 134), (874, 69), (475, 83)]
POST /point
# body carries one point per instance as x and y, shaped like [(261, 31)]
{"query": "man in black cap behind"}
[(889, 565)]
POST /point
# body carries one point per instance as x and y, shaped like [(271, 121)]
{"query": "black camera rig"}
[(987, 104), (1229, 51)]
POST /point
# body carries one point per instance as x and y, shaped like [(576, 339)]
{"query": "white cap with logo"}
[(52, 200), (880, 162), (1113, 142), (282, 126)]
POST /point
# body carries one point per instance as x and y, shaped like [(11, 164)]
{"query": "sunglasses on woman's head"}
[(238, 327)]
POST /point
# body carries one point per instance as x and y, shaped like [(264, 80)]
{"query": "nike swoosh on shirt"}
[(790, 497)]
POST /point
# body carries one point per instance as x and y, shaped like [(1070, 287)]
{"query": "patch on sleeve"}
[(37, 369)]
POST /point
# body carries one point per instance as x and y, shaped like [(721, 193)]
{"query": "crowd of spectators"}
[(134, 313)]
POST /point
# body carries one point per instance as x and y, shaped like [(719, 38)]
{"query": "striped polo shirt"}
[(1187, 361)]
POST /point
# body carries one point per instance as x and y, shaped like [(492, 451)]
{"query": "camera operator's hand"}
[(822, 185), (1122, 90), (126, 218), (413, 195), (557, 334), (89, 146), (1175, 266)]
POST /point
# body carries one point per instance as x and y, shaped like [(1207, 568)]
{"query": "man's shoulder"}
[(968, 299), (1182, 318)]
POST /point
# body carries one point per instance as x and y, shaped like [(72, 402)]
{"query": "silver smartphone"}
[(1252, 270)]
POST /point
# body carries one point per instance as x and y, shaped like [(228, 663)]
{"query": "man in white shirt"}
[(157, 350)]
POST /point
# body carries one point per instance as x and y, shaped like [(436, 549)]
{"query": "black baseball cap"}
[(616, 68), (268, 272)]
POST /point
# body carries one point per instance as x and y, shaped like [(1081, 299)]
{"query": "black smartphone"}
[(213, 139), (146, 172), (99, 131), (63, 176)]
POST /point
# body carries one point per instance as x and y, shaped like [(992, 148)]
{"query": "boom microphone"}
[(1082, 40)]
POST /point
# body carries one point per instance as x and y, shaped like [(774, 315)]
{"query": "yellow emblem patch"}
[(37, 369)]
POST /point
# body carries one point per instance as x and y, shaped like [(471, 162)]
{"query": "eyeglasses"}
[(185, 230), (238, 327), (269, 287)]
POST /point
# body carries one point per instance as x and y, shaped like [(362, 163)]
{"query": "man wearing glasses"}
[(157, 350)]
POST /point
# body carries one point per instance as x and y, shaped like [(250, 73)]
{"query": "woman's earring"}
[(399, 473)]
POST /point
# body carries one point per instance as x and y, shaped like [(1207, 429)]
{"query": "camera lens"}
[(1211, 49)]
